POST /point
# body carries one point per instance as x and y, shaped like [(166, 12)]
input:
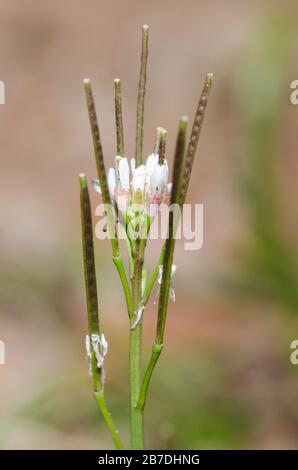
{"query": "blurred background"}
[(225, 379)]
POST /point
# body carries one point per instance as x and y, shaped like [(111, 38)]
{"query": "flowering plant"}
[(131, 194)]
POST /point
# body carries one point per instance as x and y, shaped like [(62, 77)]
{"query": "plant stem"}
[(117, 259), (181, 178), (153, 276), (167, 266), (137, 439), (128, 247), (92, 305), (100, 400), (141, 96), (156, 351)]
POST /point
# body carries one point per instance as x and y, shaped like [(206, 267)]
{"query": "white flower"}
[(133, 165), (151, 162), (112, 182), (158, 179), (139, 178), (151, 179), (123, 173)]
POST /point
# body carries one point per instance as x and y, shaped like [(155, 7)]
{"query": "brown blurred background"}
[(225, 378)]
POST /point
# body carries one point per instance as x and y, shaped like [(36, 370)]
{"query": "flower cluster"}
[(146, 184)]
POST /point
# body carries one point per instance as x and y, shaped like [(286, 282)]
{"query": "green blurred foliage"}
[(268, 265)]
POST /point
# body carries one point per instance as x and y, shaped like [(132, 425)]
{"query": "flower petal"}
[(123, 169), (151, 162), (158, 179), (139, 178), (133, 165), (112, 182)]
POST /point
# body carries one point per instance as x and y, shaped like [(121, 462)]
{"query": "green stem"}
[(123, 278), (137, 438), (156, 351), (100, 400), (128, 243), (118, 261), (92, 305), (153, 277), (181, 178), (167, 255)]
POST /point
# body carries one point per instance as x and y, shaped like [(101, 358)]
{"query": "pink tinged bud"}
[(112, 182)]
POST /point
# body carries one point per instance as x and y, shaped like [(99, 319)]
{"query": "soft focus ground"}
[(224, 379)]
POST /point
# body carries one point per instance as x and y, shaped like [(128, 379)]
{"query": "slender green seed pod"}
[(88, 254), (119, 118), (194, 137), (141, 96)]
